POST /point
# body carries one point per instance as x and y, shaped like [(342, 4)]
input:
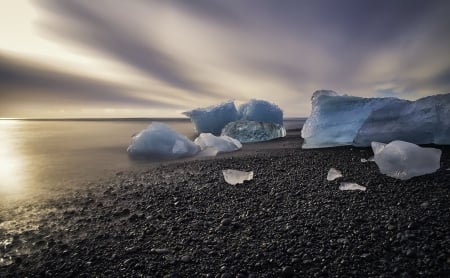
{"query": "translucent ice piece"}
[(208, 152), (404, 160), (235, 176), (213, 118), (333, 174), (370, 159), (351, 186), (221, 143), (158, 141), (250, 131), (261, 111)]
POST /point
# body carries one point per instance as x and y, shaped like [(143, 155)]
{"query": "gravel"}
[(183, 220)]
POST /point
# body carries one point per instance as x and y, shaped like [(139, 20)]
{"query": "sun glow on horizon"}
[(12, 164)]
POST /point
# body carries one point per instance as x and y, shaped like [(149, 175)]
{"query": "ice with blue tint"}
[(347, 120), (158, 141), (220, 143), (404, 160), (213, 118), (251, 131), (335, 120), (261, 111), (424, 121)]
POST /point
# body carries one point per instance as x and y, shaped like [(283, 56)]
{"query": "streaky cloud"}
[(27, 81), (91, 26)]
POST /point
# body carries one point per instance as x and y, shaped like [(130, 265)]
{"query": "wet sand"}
[(180, 219)]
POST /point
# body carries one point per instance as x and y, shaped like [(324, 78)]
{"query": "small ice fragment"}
[(370, 159), (351, 186), (234, 177), (333, 174), (208, 152), (403, 160)]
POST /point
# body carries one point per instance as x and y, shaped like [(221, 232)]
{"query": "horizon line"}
[(117, 119)]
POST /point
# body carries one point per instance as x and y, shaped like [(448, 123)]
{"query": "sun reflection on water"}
[(12, 174)]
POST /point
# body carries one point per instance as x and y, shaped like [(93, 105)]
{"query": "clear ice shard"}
[(347, 120), (213, 118), (333, 174), (251, 131), (221, 143), (234, 177), (404, 160), (351, 186), (261, 111), (158, 141), (370, 159)]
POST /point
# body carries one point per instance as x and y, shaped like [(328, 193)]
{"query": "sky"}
[(115, 58)]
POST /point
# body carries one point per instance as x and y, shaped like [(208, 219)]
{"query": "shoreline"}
[(181, 219)]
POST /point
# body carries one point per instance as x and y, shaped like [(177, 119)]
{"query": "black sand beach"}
[(180, 219)]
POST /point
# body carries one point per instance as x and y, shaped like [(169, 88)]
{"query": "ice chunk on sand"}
[(221, 143), (404, 160), (213, 118), (333, 174), (351, 186), (261, 111), (335, 120), (346, 120), (158, 141), (235, 176), (250, 131), (424, 121), (370, 159)]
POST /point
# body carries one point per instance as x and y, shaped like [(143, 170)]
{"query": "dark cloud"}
[(29, 82), (87, 24), (222, 12)]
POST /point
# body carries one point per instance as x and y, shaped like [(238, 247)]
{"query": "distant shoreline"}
[(119, 119)]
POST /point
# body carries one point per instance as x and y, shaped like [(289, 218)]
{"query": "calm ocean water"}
[(52, 155)]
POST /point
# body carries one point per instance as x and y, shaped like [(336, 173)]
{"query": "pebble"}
[(287, 272), (226, 221), (186, 259)]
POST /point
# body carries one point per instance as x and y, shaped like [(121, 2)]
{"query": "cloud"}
[(101, 29), (179, 54), (27, 81)]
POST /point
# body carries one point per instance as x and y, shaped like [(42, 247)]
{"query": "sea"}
[(46, 156)]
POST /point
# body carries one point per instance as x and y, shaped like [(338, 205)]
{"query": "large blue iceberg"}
[(347, 120), (261, 111), (251, 131), (214, 118), (158, 141)]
